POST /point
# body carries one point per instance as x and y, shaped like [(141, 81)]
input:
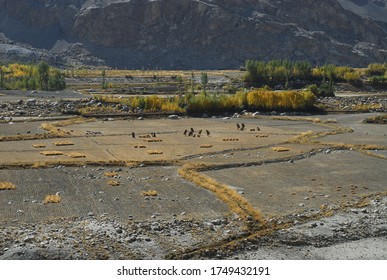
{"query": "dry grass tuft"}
[(280, 149), (7, 186), (39, 145), (110, 174), (154, 152), (206, 146), (113, 183), (65, 143), (76, 155), (51, 153), (235, 202), (149, 193), (52, 198)]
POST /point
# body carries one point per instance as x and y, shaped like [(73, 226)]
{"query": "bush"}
[(280, 100)]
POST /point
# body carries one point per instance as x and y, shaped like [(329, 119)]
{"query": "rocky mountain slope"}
[(192, 33)]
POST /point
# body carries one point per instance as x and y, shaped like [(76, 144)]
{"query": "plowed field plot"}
[(117, 140), (86, 190), (20, 128), (278, 189)]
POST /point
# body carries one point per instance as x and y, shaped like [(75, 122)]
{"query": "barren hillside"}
[(191, 33)]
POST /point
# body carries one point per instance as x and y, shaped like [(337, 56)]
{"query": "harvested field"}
[(283, 188), (85, 190), (180, 196)]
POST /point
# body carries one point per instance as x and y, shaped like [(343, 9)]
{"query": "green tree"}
[(192, 83), (1, 77), (56, 81), (204, 81), (44, 75), (103, 74)]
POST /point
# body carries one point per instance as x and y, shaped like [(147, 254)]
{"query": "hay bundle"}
[(51, 153), (154, 152), (7, 186), (52, 198), (39, 145), (206, 146), (149, 193), (76, 155), (280, 149), (64, 143)]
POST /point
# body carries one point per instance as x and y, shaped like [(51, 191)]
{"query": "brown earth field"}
[(311, 187)]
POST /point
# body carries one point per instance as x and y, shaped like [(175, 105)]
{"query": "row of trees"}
[(258, 99), (31, 77), (294, 74)]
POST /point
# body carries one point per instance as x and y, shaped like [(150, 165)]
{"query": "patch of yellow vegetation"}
[(110, 174), (39, 145), (113, 183), (206, 146), (63, 143), (76, 155), (7, 186), (280, 149), (52, 198), (149, 193), (235, 202), (154, 152), (51, 153)]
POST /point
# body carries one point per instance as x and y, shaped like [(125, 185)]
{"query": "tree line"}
[(31, 77), (288, 74)]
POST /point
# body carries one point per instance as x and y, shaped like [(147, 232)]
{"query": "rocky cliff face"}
[(190, 33)]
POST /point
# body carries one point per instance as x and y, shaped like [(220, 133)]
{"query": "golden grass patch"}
[(280, 149), (206, 146), (76, 155), (113, 183), (7, 186), (154, 152), (149, 193), (52, 198), (110, 174), (64, 143), (39, 145), (235, 202), (51, 153)]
